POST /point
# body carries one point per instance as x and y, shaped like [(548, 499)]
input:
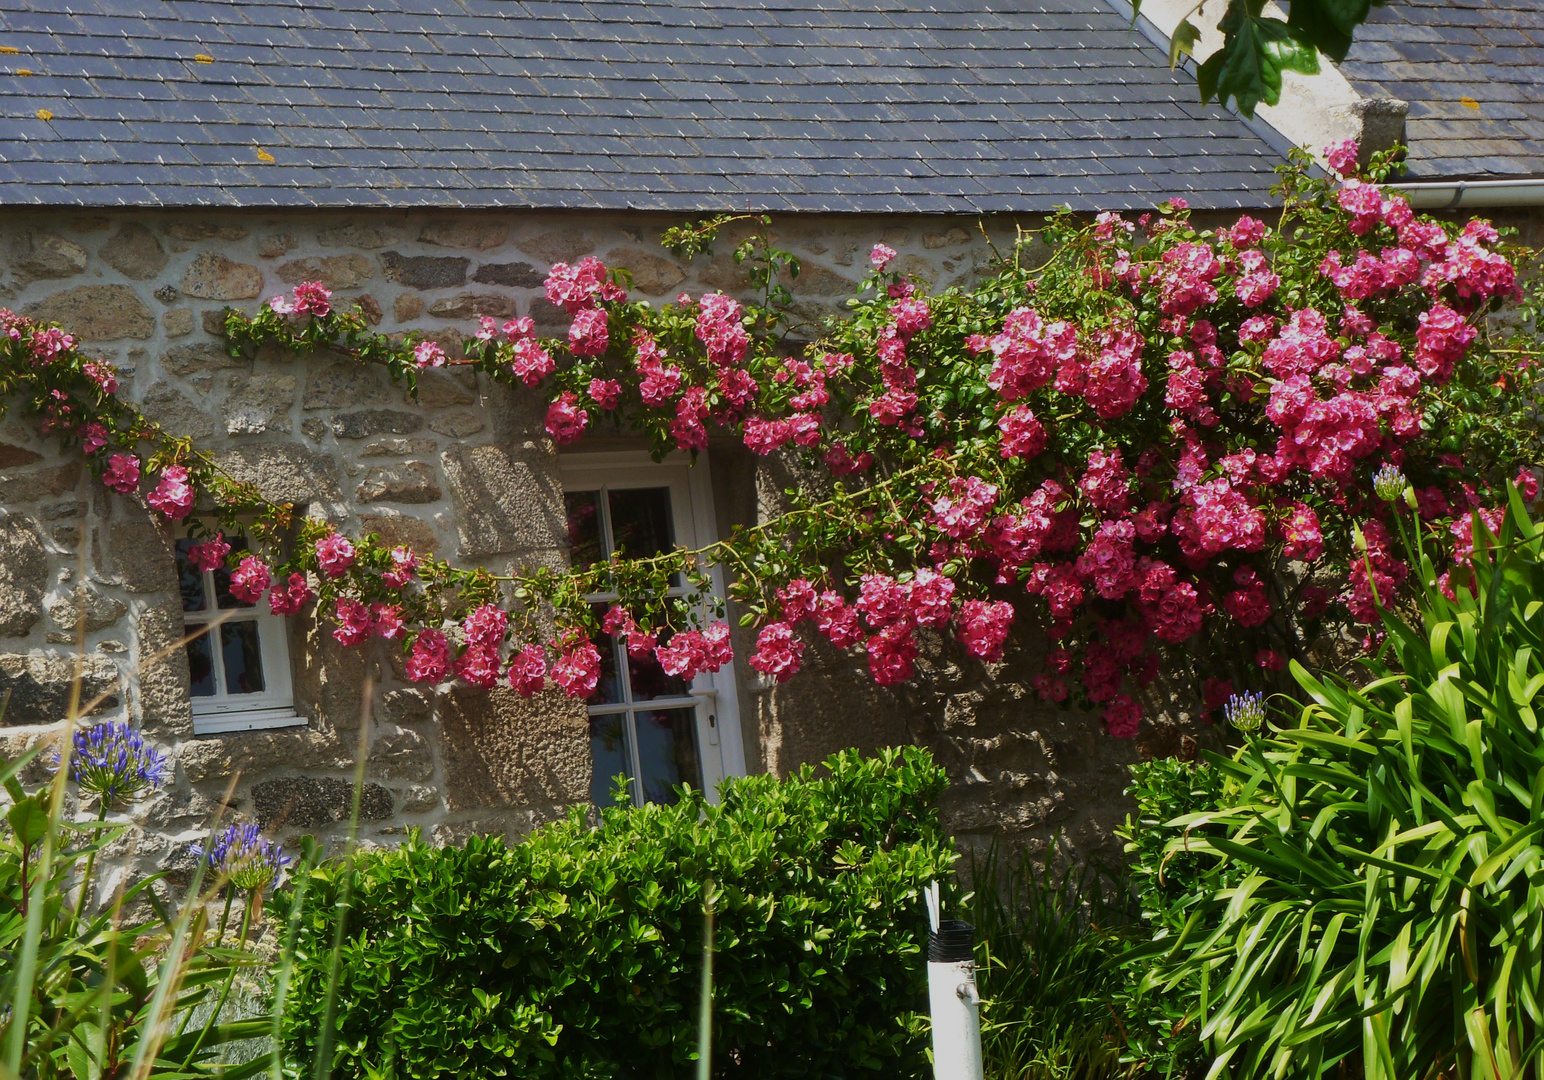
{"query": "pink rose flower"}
[(173, 496), (122, 473)]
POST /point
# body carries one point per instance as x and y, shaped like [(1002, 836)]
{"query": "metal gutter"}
[(1455, 194)]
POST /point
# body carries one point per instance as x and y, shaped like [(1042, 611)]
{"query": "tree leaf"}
[(1254, 53), (1183, 42), (1329, 24)]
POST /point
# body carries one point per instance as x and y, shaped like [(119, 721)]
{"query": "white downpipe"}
[(952, 998), (1456, 194)]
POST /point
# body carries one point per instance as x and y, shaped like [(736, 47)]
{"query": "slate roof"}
[(1473, 73), (812, 105)]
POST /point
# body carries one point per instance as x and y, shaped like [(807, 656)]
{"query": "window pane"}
[(608, 749), (243, 658), (667, 753), (641, 522), (584, 547), (222, 580), (650, 681), (190, 579), (608, 689), (200, 666)]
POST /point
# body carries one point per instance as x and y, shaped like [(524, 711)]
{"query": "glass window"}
[(238, 660), (655, 747)]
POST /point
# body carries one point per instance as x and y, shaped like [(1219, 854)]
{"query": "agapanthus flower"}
[(173, 496), (114, 762), (1388, 483), (244, 857), (122, 473), (1246, 711)]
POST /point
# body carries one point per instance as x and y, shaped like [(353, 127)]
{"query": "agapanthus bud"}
[(1388, 483), (1246, 711)]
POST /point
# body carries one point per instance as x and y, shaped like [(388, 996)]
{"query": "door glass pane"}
[(190, 579), (222, 580), (584, 545), (243, 658), (200, 665), (641, 521), (667, 753), (608, 750)]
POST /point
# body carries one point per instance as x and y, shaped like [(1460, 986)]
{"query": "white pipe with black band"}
[(953, 1001)]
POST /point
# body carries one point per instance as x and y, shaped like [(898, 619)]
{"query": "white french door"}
[(656, 730)]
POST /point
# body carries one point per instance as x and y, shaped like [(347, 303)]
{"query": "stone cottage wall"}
[(464, 470)]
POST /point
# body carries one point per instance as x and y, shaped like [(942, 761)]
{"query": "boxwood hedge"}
[(577, 951)]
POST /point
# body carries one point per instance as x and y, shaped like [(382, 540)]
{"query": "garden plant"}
[(1355, 891), (109, 987)]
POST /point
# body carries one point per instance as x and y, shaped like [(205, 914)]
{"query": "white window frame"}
[(720, 743), (223, 712)]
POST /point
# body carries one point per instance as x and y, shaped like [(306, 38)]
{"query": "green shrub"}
[(577, 951), (1366, 893)]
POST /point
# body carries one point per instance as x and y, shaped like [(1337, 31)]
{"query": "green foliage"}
[(1048, 949), (86, 997), (1258, 47), (1366, 893), (577, 951)]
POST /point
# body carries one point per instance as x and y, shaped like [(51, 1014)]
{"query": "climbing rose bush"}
[(1153, 441)]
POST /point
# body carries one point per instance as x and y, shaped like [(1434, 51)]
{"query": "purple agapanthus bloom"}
[(113, 762), (245, 857)]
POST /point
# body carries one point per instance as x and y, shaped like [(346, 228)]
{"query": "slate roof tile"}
[(841, 105), (1437, 53)]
